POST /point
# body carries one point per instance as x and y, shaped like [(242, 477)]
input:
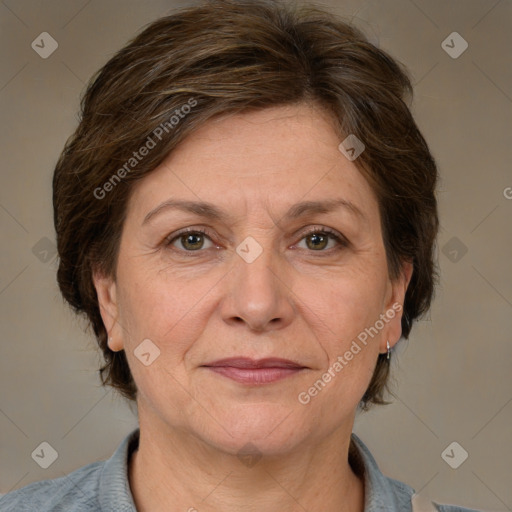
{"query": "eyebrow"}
[(210, 211)]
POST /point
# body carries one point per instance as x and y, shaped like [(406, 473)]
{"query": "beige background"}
[(453, 377)]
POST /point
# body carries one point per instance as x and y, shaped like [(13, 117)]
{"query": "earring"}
[(387, 344)]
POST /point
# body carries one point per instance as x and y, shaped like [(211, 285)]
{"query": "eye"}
[(190, 240), (318, 240)]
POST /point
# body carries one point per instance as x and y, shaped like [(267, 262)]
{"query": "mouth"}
[(255, 372)]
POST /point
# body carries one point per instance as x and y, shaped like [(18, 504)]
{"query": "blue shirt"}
[(104, 486)]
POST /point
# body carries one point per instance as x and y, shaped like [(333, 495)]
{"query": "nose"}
[(258, 294)]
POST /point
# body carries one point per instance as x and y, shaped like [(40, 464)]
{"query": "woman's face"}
[(256, 284)]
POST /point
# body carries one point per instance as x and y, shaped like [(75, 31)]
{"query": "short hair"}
[(223, 57)]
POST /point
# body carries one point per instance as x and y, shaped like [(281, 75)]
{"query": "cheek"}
[(341, 314), (339, 310), (168, 311), (170, 315), (343, 305)]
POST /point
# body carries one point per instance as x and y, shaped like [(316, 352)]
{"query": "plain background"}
[(453, 376)]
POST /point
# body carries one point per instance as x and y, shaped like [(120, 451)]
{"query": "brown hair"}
[(224, 57)]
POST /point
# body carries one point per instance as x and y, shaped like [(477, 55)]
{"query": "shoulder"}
[(101, 485), (408, 500), (385, 493), (75, 492), (454, 508)]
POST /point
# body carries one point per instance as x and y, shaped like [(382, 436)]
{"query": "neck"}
[(172, 469)]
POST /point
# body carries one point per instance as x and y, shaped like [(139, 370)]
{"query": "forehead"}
[(268, 159)]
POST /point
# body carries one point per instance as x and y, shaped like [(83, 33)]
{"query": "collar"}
[(381, 492)]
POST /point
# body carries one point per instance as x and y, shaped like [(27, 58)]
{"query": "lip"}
[(255, 371), (247, 363)]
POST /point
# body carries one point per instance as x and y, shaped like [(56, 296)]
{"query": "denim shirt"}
[(104, 486)]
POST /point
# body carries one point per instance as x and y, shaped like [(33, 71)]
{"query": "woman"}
[(246, 214)]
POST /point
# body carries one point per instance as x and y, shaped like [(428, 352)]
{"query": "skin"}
[(298, 300)]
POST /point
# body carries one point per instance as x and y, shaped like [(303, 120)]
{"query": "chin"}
[(271, 428)]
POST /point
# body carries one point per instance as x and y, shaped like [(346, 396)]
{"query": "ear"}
[(394, 307), (107, 301)]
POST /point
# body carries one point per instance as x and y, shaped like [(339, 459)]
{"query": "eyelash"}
[(340, 240)]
